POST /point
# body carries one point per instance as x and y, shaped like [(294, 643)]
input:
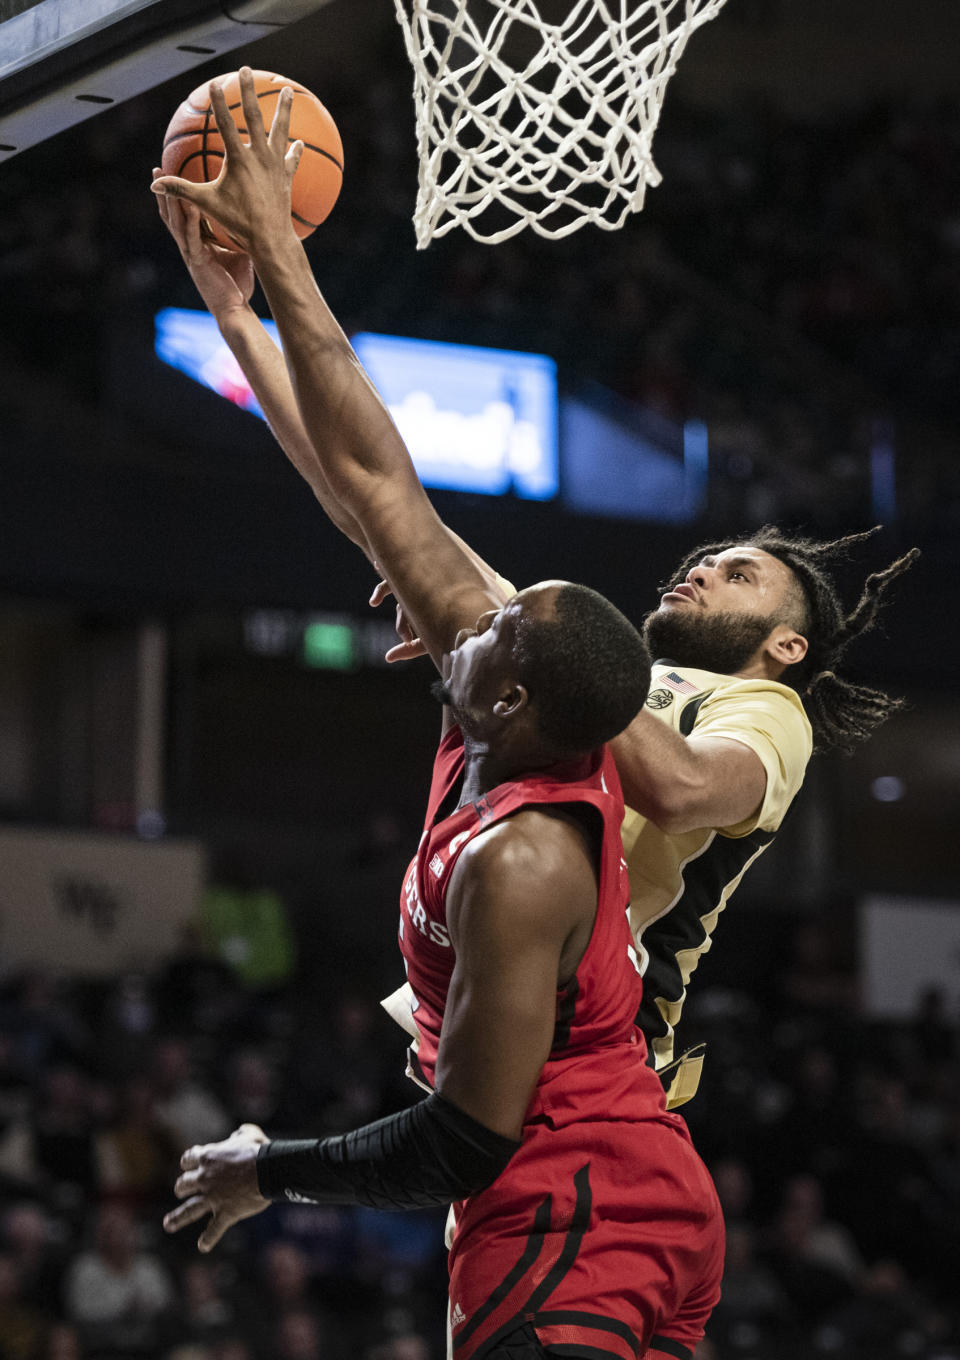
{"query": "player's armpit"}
[(521, 898)]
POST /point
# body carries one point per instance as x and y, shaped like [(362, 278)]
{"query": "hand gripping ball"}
[(193, 148)]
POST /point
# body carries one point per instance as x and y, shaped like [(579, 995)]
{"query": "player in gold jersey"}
[(752, 631)]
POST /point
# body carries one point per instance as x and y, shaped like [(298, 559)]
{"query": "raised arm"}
[(225, 281), (366, 465)]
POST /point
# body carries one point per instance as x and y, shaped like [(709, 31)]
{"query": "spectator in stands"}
[(126, 1030), (886, 1320), (119, 1297), (813, 1261), (196, 992), (254, 1090), (409, 1346), (734, 1184), (190, 1111), (35, 1240), (209, 1311), (57, 1139), (299, 1336), (44, 1027), (286, 1290), (62, 1343), (21, 1323), (136, 1153), (812, 1132), (813, 1237), (753, 1303)]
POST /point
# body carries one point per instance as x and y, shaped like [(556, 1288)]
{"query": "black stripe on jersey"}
[(578, 1226), (689, 715), (704, 879), (566, 1010), (592, 1320), (663, 1343), (579, 1222), (541, 1224)]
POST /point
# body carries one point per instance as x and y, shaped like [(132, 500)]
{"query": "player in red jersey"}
[(586, 1224), (605, 1219)]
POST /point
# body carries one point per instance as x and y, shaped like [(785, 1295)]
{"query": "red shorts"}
[(606, 1237)]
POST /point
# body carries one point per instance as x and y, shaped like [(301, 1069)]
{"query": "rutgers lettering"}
[(431, 930)]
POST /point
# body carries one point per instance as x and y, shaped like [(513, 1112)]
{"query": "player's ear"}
[(511, 701), (786, 646)]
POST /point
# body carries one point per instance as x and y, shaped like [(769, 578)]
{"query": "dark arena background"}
[(210, 782)]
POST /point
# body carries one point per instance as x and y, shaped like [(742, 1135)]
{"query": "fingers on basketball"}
[(280, 126), (194, 149)]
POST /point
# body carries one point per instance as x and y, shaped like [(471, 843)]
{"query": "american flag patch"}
[(678, 683), (436, 865)]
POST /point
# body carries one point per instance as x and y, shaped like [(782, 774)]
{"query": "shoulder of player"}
[(534, 842), (710, 684), (536, 860), (754, 695), (714, 689)]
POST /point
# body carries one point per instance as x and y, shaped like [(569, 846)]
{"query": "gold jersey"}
[(680, 883)]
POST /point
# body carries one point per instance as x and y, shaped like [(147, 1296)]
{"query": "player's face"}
[(481, 666), (720, 615), (475, 665), (742, 580)]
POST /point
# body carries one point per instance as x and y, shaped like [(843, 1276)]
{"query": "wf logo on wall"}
[(90, 900)]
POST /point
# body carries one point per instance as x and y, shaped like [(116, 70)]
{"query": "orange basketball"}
[(193, 148)]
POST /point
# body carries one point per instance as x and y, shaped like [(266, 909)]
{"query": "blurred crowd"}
[(795, 284), (834, 1142), (104, 1084)]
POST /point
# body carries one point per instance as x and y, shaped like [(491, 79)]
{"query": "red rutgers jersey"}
[(604, 1234), (597, 1008)]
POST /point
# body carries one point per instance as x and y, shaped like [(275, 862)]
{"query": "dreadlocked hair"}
[(842, 714)]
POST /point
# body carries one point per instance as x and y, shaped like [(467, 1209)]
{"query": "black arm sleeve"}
[(427, 1155)]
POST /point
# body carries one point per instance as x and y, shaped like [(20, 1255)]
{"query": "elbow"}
[(347, 483)]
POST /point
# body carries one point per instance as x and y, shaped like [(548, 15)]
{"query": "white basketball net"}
[(521, 122)]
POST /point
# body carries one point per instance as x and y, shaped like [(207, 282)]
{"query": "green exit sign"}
[(329, 646)]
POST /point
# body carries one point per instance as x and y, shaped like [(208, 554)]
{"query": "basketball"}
[(193, 149)]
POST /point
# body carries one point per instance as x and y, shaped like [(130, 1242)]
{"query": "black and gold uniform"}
[(680, 883)]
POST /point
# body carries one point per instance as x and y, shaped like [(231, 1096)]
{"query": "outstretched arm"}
[(366, 465)]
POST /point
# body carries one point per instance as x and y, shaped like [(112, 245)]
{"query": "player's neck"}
[(484, 768), (760, 667)]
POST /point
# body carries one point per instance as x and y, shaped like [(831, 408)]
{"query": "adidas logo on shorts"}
[(457, 1316)]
